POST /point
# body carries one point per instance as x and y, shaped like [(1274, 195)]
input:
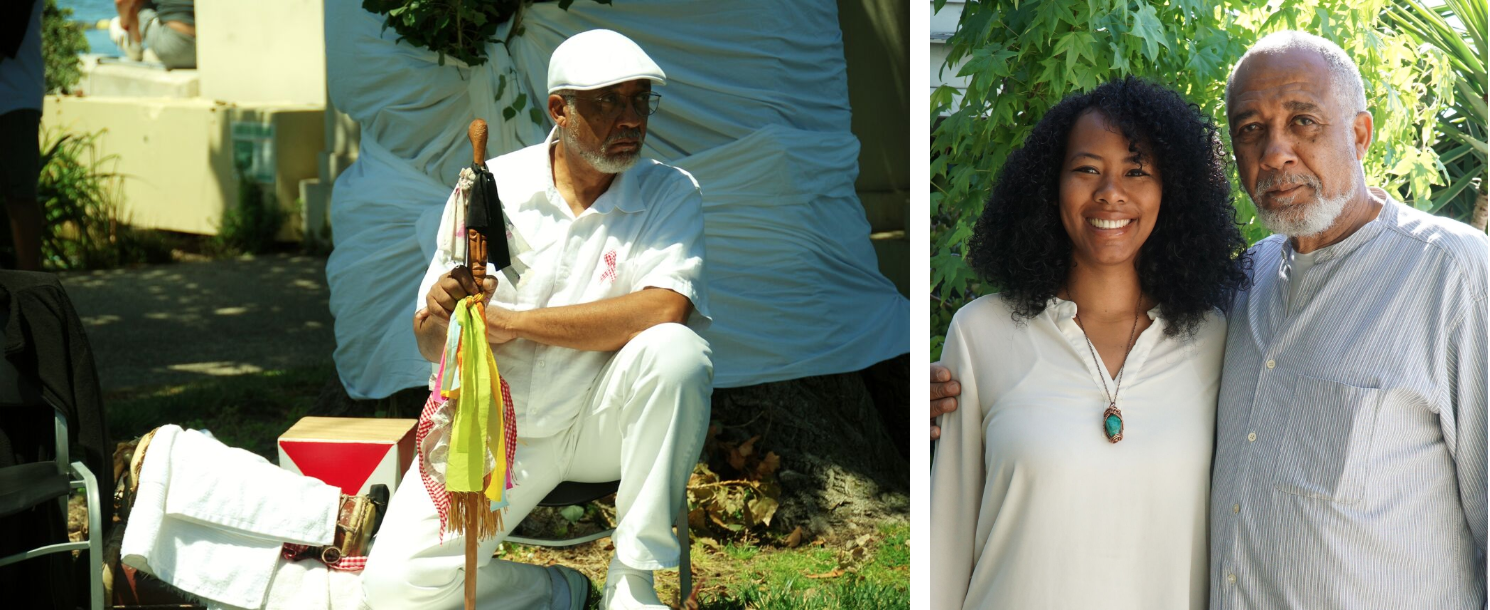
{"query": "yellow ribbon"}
[(470, 432)]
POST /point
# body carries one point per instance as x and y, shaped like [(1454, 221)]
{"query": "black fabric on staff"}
[(484, 214)]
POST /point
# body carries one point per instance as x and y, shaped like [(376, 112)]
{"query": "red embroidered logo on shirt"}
[(610, 267)]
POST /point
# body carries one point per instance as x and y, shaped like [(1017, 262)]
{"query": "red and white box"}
[(353, 453)]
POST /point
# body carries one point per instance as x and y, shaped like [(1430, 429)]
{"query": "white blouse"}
[(1032, 507)]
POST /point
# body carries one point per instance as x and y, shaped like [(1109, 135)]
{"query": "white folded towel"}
[(308, 585), (210, 520)]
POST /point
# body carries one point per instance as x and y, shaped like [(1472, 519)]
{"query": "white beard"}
[(1305, 218), (598, 160)]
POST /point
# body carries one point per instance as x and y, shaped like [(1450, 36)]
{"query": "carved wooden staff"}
[(477, 511), (476, 260)]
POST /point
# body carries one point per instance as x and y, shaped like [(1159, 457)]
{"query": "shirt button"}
[(540, 364), (1271, 364), (1236, 508), (1231, 579), (1251, 436)]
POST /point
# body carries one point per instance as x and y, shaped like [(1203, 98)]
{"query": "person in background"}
[(165, 27), (22, 83)]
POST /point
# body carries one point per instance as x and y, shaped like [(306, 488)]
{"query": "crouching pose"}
[(593, 328)]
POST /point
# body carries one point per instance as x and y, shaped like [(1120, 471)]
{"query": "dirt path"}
[(170, 324)]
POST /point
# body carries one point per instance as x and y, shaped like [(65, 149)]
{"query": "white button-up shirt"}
[(646, 230)]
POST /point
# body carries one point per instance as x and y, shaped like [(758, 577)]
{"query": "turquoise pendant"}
[(1112, 423)]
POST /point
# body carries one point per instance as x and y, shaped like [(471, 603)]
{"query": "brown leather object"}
[(354, 527)]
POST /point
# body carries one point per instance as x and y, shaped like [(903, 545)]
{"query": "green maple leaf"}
[(1075, 45), (1146, 26)]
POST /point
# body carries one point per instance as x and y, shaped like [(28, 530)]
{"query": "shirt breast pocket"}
[(1326, 450)]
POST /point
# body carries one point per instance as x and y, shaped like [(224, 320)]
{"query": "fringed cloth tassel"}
[(483, 425), (488, 522)]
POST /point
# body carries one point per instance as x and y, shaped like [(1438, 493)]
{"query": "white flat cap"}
[(599, 58)]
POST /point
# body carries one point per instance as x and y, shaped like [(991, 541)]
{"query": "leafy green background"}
[(1021, 58)]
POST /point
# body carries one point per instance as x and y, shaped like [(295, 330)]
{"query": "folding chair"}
[(27, 485), (570, 494)]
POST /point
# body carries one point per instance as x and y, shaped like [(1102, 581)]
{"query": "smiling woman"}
[(1185, 254), (1089, 381)]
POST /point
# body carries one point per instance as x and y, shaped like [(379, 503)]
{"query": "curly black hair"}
[(1195, 258)]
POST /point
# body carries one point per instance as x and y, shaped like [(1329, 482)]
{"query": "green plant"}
[(61, 42), (82, 224), (456, 28), (1462, 126), (1020, 58), (250, 226)]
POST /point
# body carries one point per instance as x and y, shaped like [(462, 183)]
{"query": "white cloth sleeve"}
[(671, 251), (957, 480), (1464, 420)]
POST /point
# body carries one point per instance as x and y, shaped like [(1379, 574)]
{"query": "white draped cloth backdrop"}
[(756, 108)]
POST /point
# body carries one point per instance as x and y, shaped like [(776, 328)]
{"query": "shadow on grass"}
[(245, 411)]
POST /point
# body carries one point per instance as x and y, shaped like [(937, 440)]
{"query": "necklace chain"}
[(1132, 335)]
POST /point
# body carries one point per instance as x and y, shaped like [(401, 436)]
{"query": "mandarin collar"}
[(1387, 216)]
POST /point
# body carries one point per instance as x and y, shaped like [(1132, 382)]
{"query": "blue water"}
[(89, 12)]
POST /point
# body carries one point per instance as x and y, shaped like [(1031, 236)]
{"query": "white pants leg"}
[(410, 568), (644, 423), (648, 413)]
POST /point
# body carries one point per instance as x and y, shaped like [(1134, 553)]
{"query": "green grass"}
[(740, 552), (891, 562), (813, 577), (245, 411)]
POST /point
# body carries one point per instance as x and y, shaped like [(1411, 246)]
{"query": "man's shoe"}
[(571, 589), (627, 588)]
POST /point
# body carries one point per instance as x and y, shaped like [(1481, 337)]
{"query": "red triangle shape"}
[(344, 465)]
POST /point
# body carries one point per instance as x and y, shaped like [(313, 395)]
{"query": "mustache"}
[(624, 134), (1272, 181)]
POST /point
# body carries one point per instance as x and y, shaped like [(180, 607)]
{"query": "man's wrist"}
[(514, 323), (505, 321)]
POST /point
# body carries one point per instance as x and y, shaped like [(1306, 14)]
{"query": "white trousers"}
[(644, 424)]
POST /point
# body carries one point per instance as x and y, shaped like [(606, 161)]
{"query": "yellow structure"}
[(187, 141), (182, 159), (266, 51)]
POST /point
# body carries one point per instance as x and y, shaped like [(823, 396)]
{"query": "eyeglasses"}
[(644, 103)]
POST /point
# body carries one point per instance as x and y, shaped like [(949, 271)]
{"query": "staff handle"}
[(476, 242)]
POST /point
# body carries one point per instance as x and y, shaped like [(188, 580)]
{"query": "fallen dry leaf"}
[(833, 574), (795, 538), (692, 602)]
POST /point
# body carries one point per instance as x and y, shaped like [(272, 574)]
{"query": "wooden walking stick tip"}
[(478, 141)]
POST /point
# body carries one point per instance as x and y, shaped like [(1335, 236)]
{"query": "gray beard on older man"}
[(598, 159), (1298, 218)]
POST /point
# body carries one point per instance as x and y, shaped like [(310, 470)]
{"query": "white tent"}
[(756, 108)]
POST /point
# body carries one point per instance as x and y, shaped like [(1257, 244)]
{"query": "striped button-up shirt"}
[(1350, 434)]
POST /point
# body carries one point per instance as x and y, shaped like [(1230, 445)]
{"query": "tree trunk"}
[(841, 472)]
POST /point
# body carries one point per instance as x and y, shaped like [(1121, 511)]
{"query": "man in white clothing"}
[(594, 332)]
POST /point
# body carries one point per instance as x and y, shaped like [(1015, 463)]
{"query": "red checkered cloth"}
[(610, 267), (437, 493), (350, 563), (436, 490)]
